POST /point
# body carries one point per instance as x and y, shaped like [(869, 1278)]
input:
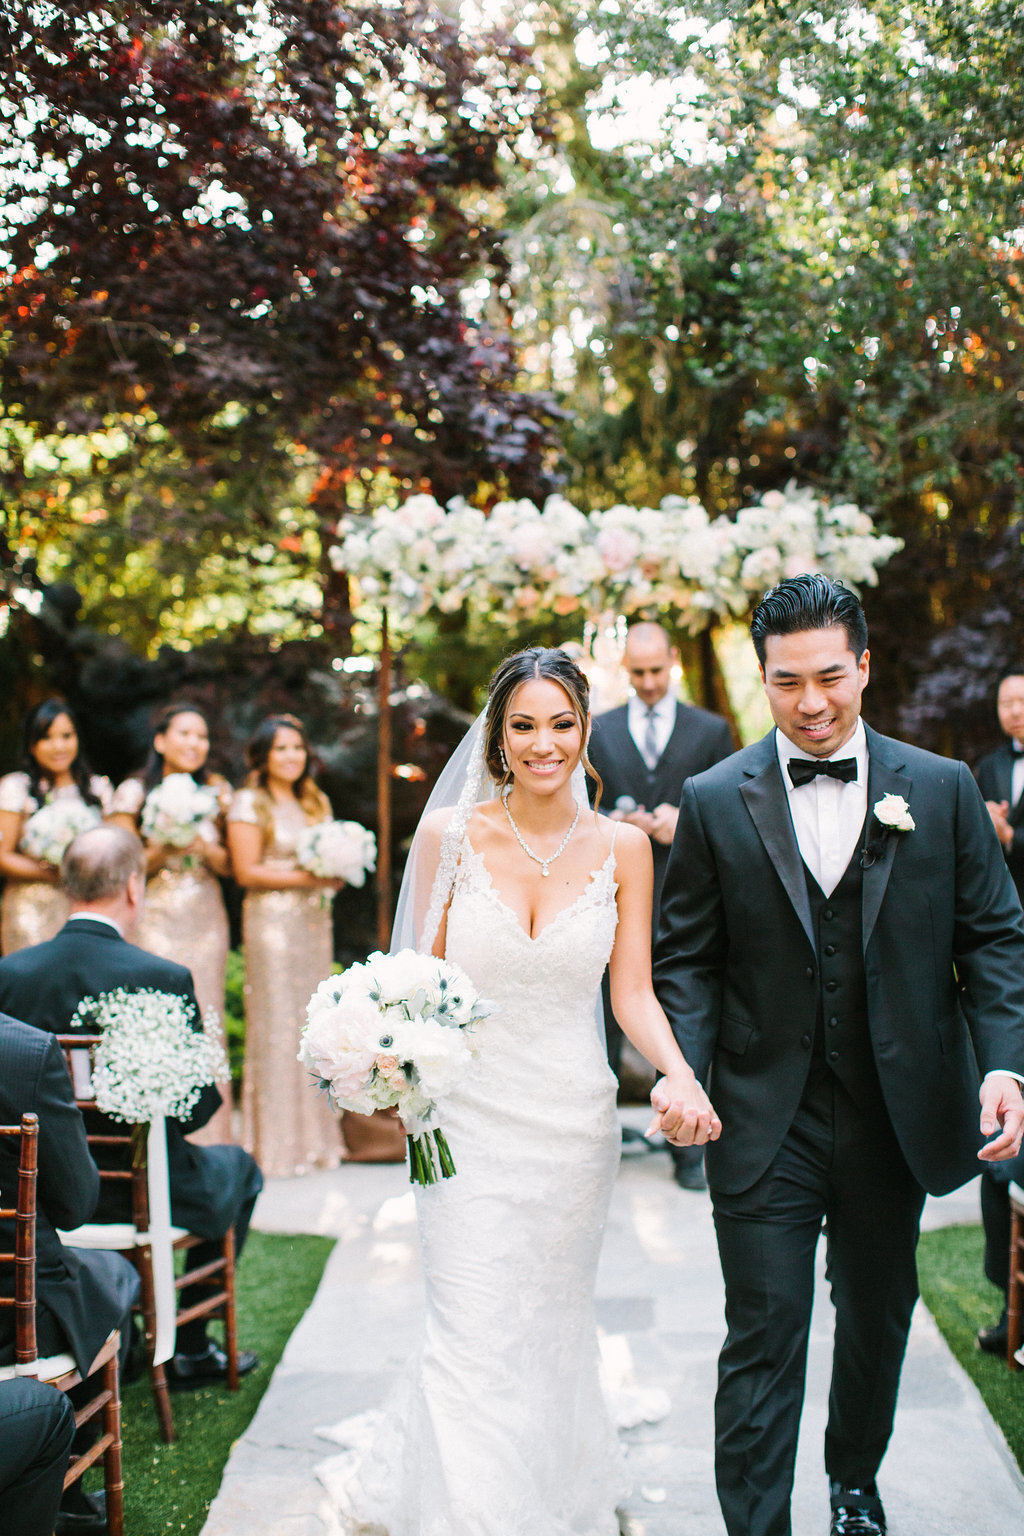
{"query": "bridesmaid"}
[(53, 768), (286, 925), (184, 917)]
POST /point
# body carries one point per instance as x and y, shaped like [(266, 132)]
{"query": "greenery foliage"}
[(808, 264), (236, 246), (268, 262)]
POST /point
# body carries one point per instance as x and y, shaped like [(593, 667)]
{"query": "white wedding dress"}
[(500, 1428)]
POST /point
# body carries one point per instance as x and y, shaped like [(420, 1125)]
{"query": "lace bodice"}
[(549, 980)]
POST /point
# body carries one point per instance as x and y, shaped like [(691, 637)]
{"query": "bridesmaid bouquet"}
[(337, 850), (151, 1059), (49, 830), (176, 808), (396, 1032)]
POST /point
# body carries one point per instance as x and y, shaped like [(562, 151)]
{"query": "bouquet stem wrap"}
[(161, 1246)]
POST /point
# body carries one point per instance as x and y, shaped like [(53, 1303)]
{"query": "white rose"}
[(893, 811)]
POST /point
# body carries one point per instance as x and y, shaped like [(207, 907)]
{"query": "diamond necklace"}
[(524, 845)]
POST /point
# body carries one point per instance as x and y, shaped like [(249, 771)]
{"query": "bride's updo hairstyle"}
[(554, 666)]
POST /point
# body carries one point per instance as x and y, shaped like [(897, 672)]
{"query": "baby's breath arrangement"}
[(151, 1059)]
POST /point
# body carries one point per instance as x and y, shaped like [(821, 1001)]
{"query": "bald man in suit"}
[(645, 751)]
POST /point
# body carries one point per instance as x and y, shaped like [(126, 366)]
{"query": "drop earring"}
[(504, 760)]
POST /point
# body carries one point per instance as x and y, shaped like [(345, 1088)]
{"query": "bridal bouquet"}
[(337, 850), (49, 830), (176, 809), (151, 1061), (396, 1031)]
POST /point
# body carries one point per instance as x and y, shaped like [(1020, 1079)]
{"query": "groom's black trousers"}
[(841, 1164)]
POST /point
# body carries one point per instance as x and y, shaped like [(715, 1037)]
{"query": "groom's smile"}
[(814, 684)]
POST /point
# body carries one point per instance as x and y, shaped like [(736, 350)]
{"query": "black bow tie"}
[(803, 769)]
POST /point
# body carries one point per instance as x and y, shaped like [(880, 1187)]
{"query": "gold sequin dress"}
[(35, 910), (287, 1123), (184, 919)]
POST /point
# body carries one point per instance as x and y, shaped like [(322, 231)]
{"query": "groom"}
[(841, 955)]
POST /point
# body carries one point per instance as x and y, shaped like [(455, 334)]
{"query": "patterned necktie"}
[(651, 753), (802, 770)]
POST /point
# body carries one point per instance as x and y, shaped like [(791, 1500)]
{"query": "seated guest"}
[(1000, 778), (103, 875), (37, 1424), (81, 1296)]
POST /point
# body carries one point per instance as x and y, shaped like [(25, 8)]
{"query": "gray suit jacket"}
[(943, 941)]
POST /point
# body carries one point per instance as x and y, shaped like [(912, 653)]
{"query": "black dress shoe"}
[(993, 1339), (689, 1172), (82, 1514), (209, 1364), (856, 1511)]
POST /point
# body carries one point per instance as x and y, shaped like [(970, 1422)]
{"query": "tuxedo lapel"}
[(885, 761), (765, 796)]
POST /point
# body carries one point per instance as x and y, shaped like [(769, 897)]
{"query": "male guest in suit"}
[(1000, 778), (841, 955), (643, 751), (37, 1425), (81, 1296), (212, 1188)]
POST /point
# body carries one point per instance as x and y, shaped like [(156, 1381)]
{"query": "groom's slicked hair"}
[(556, 666), (809, 602)]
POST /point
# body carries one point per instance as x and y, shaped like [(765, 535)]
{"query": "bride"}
[(500, 1428)]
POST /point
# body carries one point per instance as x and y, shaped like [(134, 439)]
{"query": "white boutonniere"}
[(893, 813)]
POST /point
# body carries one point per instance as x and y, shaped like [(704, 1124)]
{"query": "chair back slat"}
[(130, 1144), (23, 1255)]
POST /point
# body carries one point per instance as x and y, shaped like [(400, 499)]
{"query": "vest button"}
[(830, 949), (831, 986), (810, 973), (828, 914), (806, 1042), (833, 1055), (833, 1022)]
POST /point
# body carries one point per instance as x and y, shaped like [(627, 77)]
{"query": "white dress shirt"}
[(828, 815), (96, 917), (1017, 775), (664, 722)]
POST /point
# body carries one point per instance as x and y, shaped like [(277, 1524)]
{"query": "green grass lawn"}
[(961, 1300), (171, 1487)]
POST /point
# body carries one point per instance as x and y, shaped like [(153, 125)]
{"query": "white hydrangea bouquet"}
[(151, 1060), (176, 809), (337, 850), (397, 1031), (49, 830)]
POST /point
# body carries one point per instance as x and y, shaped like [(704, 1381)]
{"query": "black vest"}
[(842, 1041)]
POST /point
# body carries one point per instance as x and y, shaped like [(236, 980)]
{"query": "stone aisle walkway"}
[(948, 1471)]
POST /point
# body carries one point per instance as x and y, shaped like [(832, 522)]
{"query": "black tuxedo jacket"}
[(34, 1079), (943, 941), (994, 774), (699, 739), (44, 985)]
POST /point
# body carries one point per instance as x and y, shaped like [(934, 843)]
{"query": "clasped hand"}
[(683, 1112), (1002, 1110)]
